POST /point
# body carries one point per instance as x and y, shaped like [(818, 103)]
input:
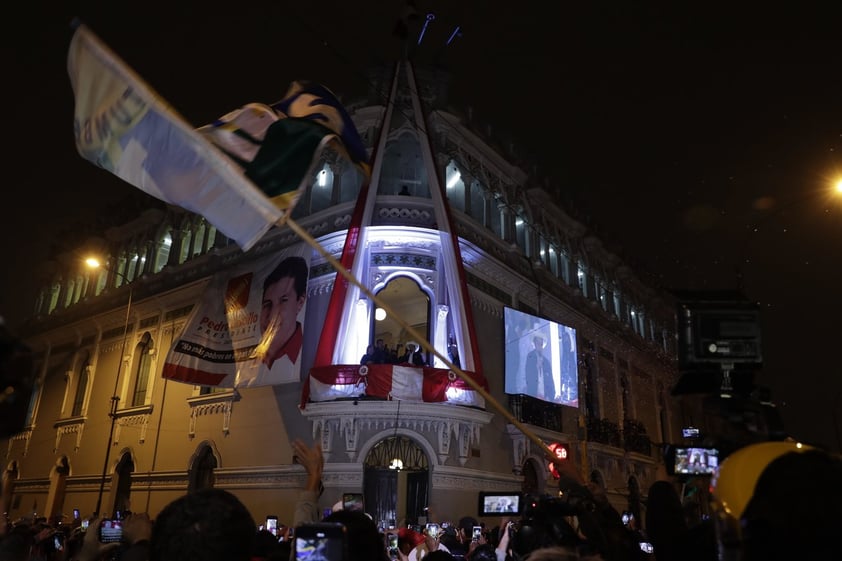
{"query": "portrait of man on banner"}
[(283, 296), (247, 330)]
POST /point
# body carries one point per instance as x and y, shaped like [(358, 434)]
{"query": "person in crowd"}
[(311, 457), (778, 500), (369, 356), (483, 552), (206, 525), (381, 353), (364, 540), (408, 539), (413, 354), (284, 293), (665, 522), (439, 555), (137, 537)]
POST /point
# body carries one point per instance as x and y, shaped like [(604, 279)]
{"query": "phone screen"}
[(393, 546), (110, 531), (352, 501), (432, 530), (477, 533), (320, 541), (272, 524)]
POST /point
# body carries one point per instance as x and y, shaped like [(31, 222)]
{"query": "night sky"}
[(699, 142)]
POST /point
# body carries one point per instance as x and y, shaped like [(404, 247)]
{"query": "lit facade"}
[(105, 334)]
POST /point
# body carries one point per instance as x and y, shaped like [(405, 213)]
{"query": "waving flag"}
[(243, 173)]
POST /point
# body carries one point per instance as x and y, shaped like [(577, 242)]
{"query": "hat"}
[(412, 345), (411, 536)]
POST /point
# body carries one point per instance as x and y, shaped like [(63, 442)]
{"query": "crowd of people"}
[(771, 500), (380, 353)]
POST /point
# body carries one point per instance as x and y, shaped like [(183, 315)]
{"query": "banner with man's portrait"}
[(247, 330)]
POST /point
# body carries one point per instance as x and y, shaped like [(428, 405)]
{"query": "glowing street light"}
[(94, 263)]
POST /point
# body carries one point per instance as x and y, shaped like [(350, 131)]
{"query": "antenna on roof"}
[(457, 32), (430, 17)]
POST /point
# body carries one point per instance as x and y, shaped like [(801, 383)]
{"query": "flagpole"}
[(303, 234)]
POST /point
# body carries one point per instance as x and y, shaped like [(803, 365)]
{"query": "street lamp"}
[(93, 263)]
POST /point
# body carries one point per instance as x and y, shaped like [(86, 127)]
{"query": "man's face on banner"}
[(278, 311)]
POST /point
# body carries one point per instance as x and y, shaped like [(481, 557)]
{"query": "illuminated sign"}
[(561, 452)]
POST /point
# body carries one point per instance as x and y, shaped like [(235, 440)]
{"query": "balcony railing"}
[(632, 437), (535, 412)]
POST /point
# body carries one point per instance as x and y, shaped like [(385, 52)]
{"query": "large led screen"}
[(540, 358)]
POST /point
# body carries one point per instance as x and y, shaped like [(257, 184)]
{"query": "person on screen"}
[(284, 292), (539, 372), (569, 374)]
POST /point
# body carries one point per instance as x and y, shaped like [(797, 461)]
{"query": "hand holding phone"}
[(432, 529), (110, 531), (272, 524)]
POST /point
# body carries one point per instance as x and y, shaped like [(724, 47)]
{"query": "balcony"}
[(535, 412), (632, 438), (635, 438)]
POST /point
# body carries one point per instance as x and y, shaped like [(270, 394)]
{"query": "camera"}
[(324, 540), (497, 504), (110, 531), (691, 460)]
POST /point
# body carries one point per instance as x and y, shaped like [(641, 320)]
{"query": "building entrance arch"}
[(396, 481)]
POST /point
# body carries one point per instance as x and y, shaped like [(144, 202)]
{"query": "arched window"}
[(201, 469), (477, 193), (143, 352), (454, 186), (531, 481), (58, 486), (403, 295), (321, 192), (162, 254), (122, 488), (81, 387)]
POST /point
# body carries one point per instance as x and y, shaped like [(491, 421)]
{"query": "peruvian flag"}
[(391, 381)]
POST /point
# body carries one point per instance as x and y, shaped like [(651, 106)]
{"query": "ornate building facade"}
[(105, 427)]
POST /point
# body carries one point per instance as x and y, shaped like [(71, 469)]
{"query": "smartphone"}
[(352, 501), (324, 540), (476, 533), (76, 514), (646, 547), (627, 518), (272, 524), (392, 549), (432, 529), (85, 524), (110, 531)]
